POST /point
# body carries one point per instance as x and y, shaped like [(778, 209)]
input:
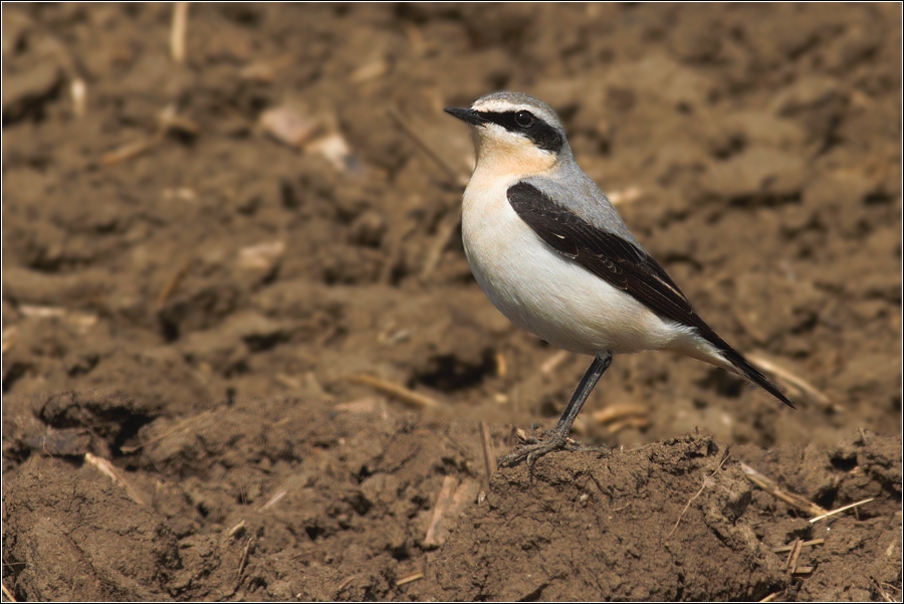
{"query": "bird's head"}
[(514, 133)]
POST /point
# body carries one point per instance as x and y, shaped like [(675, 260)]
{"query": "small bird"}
[(553, 255)]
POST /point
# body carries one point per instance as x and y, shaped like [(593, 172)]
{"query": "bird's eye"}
[(524, 119)]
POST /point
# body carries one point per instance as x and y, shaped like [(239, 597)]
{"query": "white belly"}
[(547, 293)]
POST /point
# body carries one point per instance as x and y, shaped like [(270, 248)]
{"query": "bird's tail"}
[(744, 368), (708, 347)]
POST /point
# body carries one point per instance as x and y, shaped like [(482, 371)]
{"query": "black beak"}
[(466, 115)]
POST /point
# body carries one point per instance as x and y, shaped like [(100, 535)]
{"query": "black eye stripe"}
[(544, 136), (506, 119)]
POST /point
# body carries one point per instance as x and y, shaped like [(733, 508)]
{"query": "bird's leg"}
[(557, 438)]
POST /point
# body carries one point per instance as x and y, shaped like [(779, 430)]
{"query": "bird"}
[(551, 252)]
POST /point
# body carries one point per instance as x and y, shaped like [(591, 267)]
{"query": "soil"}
[(201, 260)]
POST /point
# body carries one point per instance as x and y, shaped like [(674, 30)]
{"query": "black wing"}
[(623, 265)]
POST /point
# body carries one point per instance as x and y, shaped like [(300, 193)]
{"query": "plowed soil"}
[(192, 294)]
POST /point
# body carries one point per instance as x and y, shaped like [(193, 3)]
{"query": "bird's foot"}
[(533, 449)]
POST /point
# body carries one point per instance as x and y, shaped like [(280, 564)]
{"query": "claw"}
[(532, 449), (553, 441)]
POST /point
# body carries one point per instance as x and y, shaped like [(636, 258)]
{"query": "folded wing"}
[(624, 266)]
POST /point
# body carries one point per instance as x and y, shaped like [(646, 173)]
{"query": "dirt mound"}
[(282, 499), (216, 271), (586, 524)]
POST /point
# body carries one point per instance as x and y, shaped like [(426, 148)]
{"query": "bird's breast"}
[(491, 230)]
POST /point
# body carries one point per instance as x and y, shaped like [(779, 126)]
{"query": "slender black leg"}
[(558, 437)]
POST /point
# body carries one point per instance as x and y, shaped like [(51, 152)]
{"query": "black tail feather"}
[(752, 373)]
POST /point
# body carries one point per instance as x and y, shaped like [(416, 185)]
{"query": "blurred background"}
[(208, 202)]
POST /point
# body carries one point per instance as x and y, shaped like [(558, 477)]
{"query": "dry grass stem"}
[(42, 312), (439, 509), (795, 382), (80, 320), (79, 91), (180, 193), (489, 456), (792, 499), (287, 381), (706, 482), (369, 71), (170, 286), (637, 423), (626, 196), (787, 548), (180, 426), (231, 532), (166, 121), (878, 587), (550, 364), (501, 365), (130, 150), (620, 417), (839, 510), (367, 405), (266, 70), (262, 256), (106, 468), (793, 555), (771, 597), (404, 124), (450, 502), (412, 577), (403, 394), (613, 413), (244, 559), (272, 501), (8, 338), (7, 593), (346, 582), (178, 31)]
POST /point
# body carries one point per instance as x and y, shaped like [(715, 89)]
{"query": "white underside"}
[(550, 295)]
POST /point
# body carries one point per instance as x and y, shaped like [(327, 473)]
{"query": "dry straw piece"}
[(106, 468), (178, 31), (400, 392)]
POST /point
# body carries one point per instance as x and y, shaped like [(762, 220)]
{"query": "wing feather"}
[(624, 266)]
